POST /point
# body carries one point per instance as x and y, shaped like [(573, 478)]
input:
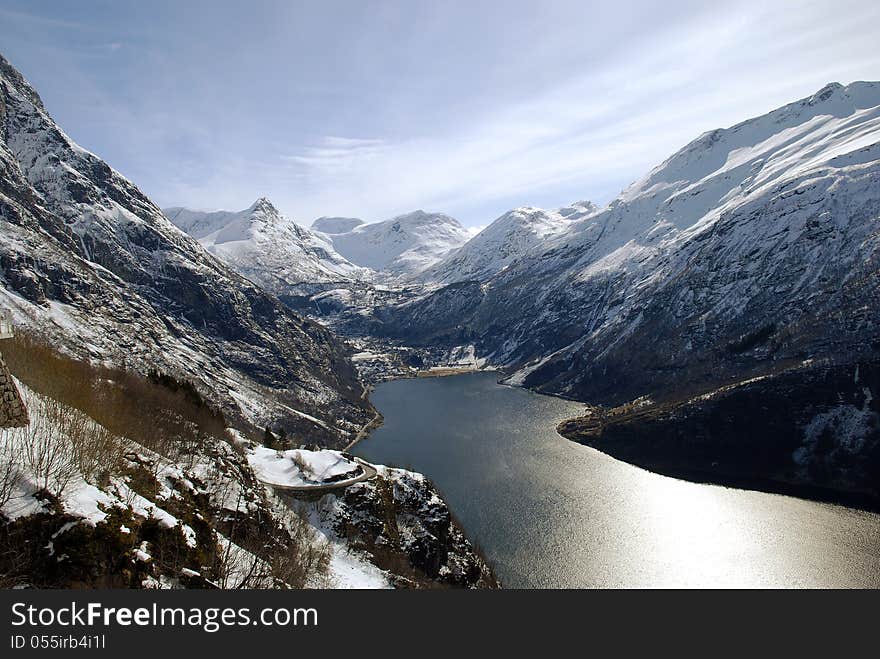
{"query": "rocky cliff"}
[(91, 264)]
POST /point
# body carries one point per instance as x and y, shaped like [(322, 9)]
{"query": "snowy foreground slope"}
[(94, 267), (85, 508), (269, 249)]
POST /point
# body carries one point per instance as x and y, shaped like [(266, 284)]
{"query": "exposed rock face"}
[(92, 264), (399, 519), (13, 413)]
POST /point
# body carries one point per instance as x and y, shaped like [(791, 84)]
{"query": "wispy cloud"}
[(417, 104), (590, 135), (335, 156), (49, 21)]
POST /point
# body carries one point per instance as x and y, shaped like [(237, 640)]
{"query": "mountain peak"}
[(264, 205), (336, 225), (421, 217), (825, 93), (15, 78), (405, 244)]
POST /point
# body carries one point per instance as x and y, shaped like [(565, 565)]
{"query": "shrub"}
[(165, 414)]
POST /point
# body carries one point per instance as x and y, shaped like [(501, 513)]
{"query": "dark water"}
[(551, 513)]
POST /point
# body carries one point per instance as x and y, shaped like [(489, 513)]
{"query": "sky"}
[(375, 108)]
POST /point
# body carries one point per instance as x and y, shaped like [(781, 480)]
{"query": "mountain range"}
[(765, 229), (504, 241), (745, 265), (403, 245), (286, 258), (92, 266), (750, 253), (267, 247)]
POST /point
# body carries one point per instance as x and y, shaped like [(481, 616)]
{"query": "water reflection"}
[(551, 513)]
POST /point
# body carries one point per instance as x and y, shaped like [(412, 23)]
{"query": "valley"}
[(718, 321)]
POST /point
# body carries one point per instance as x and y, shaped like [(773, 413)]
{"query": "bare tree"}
[(9, 469), (47, 452), (97, 451), (62, 443)]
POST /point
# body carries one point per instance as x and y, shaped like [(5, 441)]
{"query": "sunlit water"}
[(551, 513)]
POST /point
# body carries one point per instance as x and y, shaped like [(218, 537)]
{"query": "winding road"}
[(368, 472)]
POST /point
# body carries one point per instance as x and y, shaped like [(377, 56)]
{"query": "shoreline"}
[(860, 501), (378, 419), (446, 371), (853, 500), (367, 428)]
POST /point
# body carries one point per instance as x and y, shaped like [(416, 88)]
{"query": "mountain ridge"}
[(507, 238), (403, 245), (267, 247), (91, 264)]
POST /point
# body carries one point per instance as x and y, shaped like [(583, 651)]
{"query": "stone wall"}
[(12, 410)]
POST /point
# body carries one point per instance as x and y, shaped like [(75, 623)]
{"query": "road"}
[(369, 471), (373, 423)]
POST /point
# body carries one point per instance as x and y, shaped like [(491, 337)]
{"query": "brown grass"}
[(158, 411), (84, 412)]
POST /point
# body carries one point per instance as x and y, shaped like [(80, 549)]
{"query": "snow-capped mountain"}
[(403, 245), (755, 242), (510, 236), (267, 247), (92, 265), (750, 257), (334, 225), (198, 223)]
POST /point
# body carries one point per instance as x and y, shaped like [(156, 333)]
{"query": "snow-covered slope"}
[(103, 511), (756, 241), (751, 246), (404, 245), (336, 224), (510, 236), (267, 247), (91, 264), (198, 223)]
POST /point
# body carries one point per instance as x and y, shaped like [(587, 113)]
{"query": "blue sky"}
[(374, 108)]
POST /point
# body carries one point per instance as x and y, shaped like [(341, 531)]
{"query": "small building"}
[(13, 413)]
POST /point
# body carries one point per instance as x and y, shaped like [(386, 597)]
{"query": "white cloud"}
[(335, 156), (597, 131), (462, 108)]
